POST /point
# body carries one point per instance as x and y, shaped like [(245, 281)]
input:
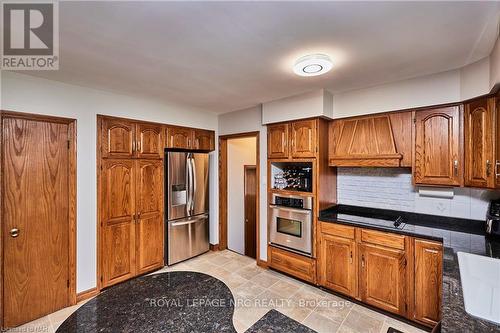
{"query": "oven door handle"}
[(294, 210)]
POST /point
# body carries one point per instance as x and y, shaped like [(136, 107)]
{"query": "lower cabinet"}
[(296, 265), (337, 264), (428, 281), (382, 278), (385, 270)]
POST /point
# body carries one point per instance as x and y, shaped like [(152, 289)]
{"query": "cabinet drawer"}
[(383, 239), (337, 230), (296, 265)]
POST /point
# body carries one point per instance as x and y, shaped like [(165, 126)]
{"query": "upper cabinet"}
[(371, 141), (479, 128), (277, 141), (118, 138), (149, 140), (295, 139), (438, 147), (189, 138)]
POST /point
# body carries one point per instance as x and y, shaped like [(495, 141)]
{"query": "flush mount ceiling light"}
[(312, 65)]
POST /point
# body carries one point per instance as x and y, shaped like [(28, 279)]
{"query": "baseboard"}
[(214, 247), (86, 294), (262, 263)]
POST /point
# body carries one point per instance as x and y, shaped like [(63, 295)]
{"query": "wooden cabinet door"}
[(337, 261), (438, 143), (149, 208), (204, 140), (479, 157), (277, 141), (496, 141), (149, 141), (303, 138), (383, 278), (180, 137), (117, 217), (117, 138), (428, 281)]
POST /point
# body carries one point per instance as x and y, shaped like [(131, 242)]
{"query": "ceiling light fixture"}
[(312, 65)]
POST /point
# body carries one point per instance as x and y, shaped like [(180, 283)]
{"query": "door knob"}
[(14, 232)]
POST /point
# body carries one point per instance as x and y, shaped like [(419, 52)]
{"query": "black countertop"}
[(456, 234)]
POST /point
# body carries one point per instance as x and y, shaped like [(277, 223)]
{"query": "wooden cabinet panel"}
[(496, 141), (428, 281), (204, 140), (180, 137), (277, 141), (149, 141), (338, 230), (383, 239), (479, 150), (337, 264), (303, 138), (117, 221), (438, 147), (383, 278), (296, 265), (149, 194), (117, 137)]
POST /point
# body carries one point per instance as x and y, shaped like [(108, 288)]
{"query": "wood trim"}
[(72, 200), (214, 247), (262, 263), (86, 294), (223, 187), (98, 210)]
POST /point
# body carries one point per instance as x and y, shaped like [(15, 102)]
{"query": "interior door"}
[(118, 221), (250, 188), (149, 208), (35, 219)]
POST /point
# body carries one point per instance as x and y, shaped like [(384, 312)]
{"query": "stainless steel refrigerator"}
[(186, 205)]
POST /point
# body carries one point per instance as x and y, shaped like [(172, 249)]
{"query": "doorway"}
[(38, 216), (239, 193)]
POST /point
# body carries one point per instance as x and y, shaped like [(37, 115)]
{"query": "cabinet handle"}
[(488, 168), (350, 258), (189, 143), (363, 261), (455, 167), (138, 145), (497, 173), (133, 146)]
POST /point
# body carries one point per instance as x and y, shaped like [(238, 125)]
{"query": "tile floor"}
[(256, 291)]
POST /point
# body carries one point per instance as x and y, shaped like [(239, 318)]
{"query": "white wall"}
[(317, 103), (495, 65), (240, 152), (25, 93), (391, 188), (250, 120), (475, 79)]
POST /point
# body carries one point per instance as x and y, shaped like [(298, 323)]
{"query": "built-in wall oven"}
[(290, 225)]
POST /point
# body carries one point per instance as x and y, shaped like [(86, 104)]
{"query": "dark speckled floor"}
[(276, 322), (167, 302)]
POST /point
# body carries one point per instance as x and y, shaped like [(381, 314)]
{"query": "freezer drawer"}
[(187, 238)]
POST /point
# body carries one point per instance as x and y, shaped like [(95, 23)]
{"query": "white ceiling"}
[(224, 56)]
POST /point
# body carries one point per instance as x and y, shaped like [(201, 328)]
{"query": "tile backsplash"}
[(391, 188)]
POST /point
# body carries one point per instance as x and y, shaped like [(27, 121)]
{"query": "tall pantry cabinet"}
[(130, 213)]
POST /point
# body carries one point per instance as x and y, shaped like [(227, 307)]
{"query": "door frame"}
[(71, 193), (245, 168), (223, 190)]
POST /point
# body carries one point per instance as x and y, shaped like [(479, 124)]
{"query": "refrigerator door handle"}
[(188, 186), (190, 221), (193, 172)]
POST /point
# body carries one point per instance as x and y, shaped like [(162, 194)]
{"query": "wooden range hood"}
[(382, 140)]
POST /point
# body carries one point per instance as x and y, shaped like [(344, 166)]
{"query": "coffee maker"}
[(492, 224)]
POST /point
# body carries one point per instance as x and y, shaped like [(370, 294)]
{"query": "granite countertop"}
[(456, 234)]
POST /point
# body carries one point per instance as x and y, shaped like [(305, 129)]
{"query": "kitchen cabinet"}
[(382, 278), (149, 140), (203, 140), (296, 265), (118, 138), (479, 129), (180, 137), (371, 141), (428, 281), (303, 138), (277, 141), (438, 147), (337, 264)]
